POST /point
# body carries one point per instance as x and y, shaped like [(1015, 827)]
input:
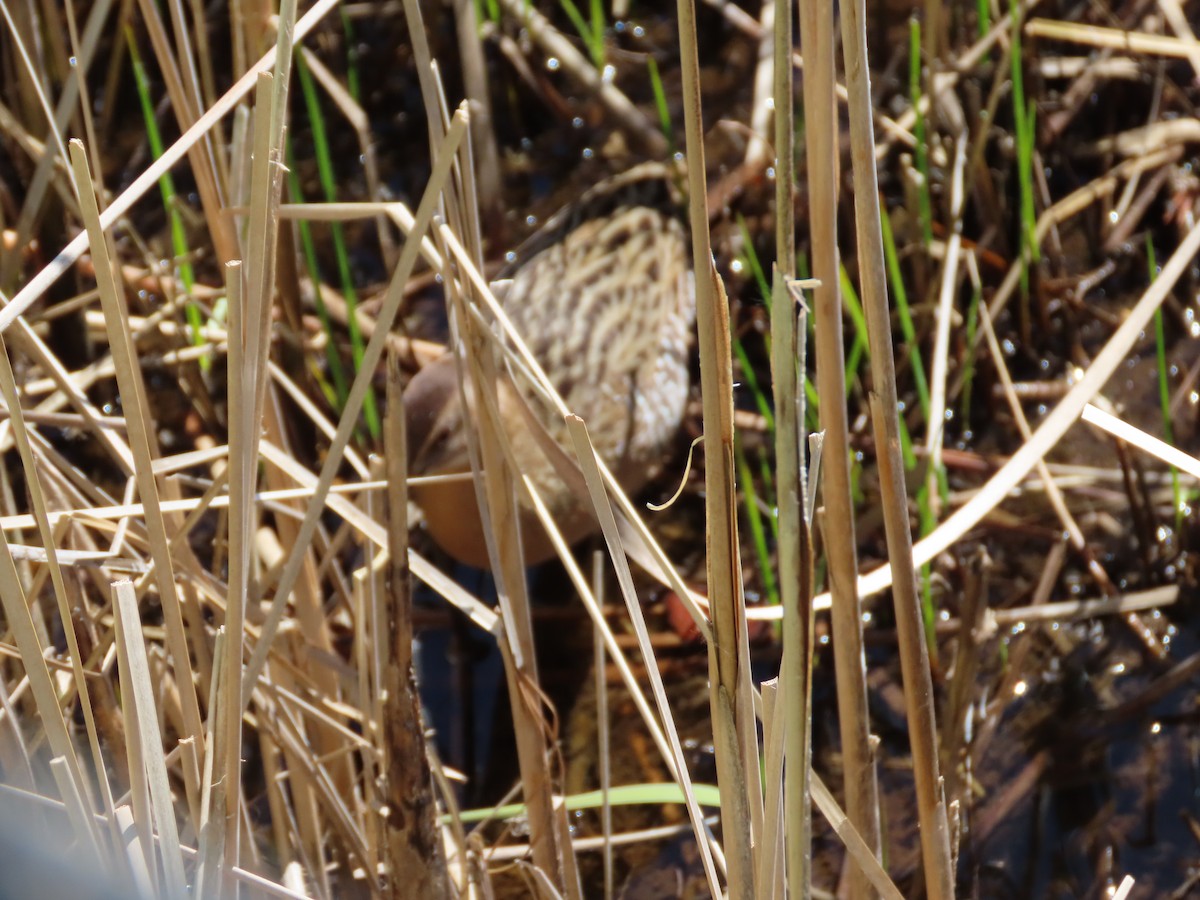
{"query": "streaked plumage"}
[(603, 296)]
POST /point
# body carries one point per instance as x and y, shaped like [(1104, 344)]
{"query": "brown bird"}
[(603, 296)]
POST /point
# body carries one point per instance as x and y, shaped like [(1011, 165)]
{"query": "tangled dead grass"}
[(206, 680)]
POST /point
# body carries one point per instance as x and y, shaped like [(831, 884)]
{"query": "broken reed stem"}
[(483, 135), (143, 444), (496, 478), (414, 864), (862, 800), (735, 731), (346, 424), (51, 541), (914, 659), (33, 290), (590, 465), (496, 493)]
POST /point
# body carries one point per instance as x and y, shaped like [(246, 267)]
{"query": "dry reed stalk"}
[(549, 836), (821, 129), (149, 178), (933, 35), (248, 403), (102, 514), (603, 737), (1053, 492), (591, 467), (205, 92), (145, 745), (795, 551), (346, 425), (914, 659), (1137, 43), (483, 135), (863, 856), (735, 734), (1172, 11), (308, 603), (371, 649), (1147, 443), (144, 445), (183, 89), (136, 851), (496, 493), (771, 875), (940, 363), (50, 541)]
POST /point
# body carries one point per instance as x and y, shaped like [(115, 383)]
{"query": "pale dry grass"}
[(159, 716)]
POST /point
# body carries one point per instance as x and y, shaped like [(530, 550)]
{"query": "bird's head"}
[(433, 416)]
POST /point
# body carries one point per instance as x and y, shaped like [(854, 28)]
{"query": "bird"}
[(604, 297)]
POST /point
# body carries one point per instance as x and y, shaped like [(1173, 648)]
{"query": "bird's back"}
[(603, 297)]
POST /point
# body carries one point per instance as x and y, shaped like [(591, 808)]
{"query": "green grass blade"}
[(582, 28), (924, 204), (1164, 388), (166, 187), (325, 172), (660, 103), (1024, 132), (337, 392), (754, 518), (623, 795), (599, 27), (903, 313)]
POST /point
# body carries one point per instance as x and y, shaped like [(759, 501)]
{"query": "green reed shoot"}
[(924, 204), (324, 159), (166, 187), (748, 379), (660, 104), (591, 34), (487, 11), (983, 17), (925, 514), (353, 70), (904, 314), (1024, 132), (754, 517), (1164, 387), (337, 392), (969, 360), (859, 349), (618, 795)]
